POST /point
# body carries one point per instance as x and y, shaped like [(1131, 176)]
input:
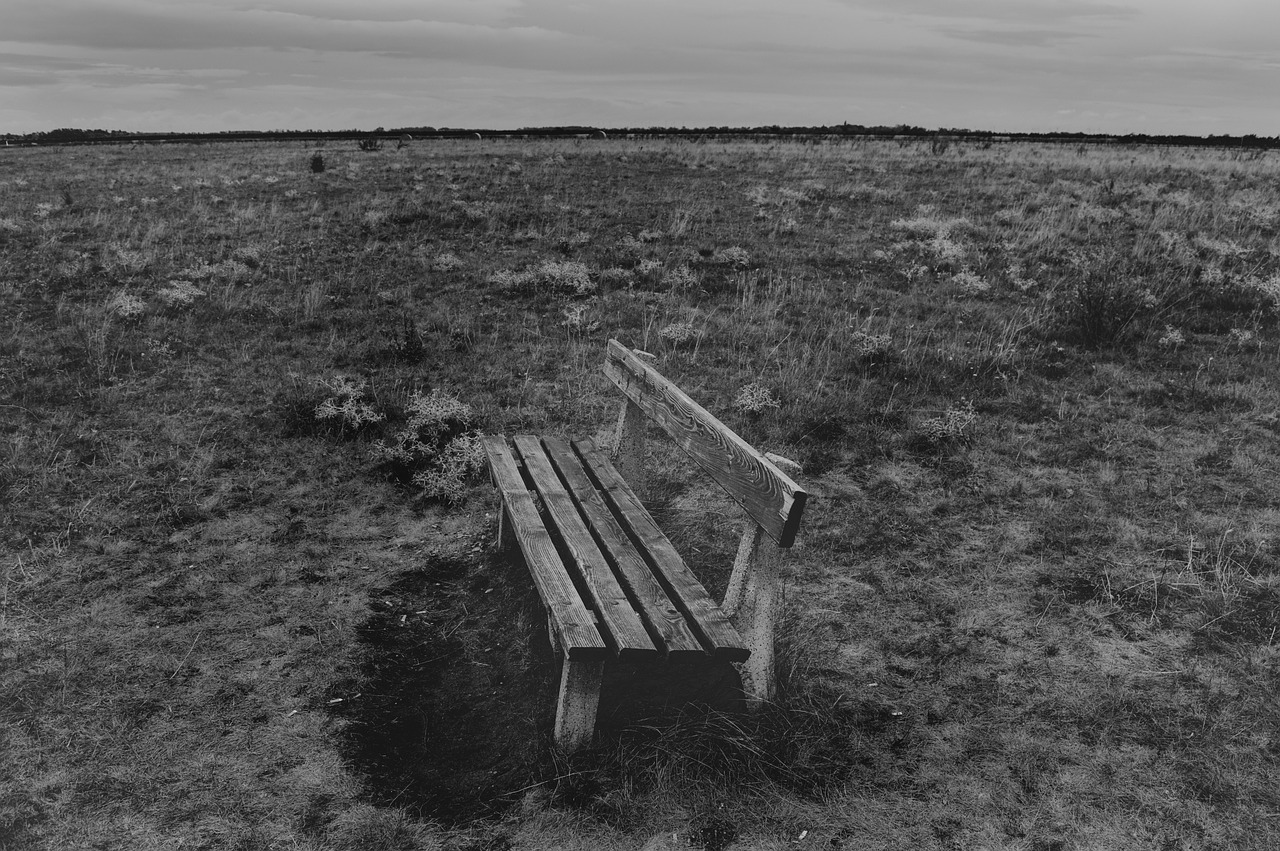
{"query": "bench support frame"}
[(580, 677), (752, 603), (753, 599), (579, 699)]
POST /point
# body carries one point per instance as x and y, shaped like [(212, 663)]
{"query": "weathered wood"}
[(573, 624), (619, 623), (666, 624), (579, 699), (506, 538), (628, 446), (768, 495), (754, 600), (709, 623)]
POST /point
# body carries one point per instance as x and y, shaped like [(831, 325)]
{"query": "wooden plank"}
[(573, 623), (663, 619), (618, 620), (769, 495), (714, 630)]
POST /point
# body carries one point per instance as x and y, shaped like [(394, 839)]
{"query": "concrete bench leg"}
[(752, 603), (579, 698)]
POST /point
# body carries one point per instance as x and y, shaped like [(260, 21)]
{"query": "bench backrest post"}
[(628, 446), (628, 441), (747, 546)]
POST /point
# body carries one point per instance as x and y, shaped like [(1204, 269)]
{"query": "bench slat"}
[(665, 622), (618, 619), (770, 496), (707, 619), (573, 624)]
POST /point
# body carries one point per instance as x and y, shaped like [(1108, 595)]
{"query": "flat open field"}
[(248, 595)]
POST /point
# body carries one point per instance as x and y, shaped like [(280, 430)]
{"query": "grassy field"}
[(248, 597)]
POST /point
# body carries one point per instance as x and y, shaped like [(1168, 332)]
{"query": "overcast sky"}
[(1111, 66)]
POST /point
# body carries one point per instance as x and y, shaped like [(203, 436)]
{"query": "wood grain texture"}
[(770, 496), (568, 615), (663, 619), (709, 623), (618, 620)]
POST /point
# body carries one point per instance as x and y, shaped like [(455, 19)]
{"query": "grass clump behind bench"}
[(611, 582)]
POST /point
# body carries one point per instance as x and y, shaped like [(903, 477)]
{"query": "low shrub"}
[(438, 448), (1105, 307), (570, 278)]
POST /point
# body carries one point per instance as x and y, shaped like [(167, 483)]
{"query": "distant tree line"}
[(74, 136)]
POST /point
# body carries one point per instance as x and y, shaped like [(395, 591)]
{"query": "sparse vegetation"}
[(438, 448), (1032, 391)]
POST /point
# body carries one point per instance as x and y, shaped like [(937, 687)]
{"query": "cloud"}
[(1031, 12), (1014, 64), (140, 25), (455, 11), (25, 69), (1016, 38)]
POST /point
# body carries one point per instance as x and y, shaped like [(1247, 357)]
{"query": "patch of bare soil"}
[(445, 717), (451, 713)]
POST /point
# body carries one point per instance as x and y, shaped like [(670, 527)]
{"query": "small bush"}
[(550, 278), (461, 459), (649, 271), (1266, 288), (346, 406), (179, 293), (616, 277), (1105, 307), (679, 278), (446, 262), (872, 347), (408, 346), (317, 162), (438, 448), (126, 305), (678, 332), (734, 256), (970, 283), (950, 428), (1172, 338), (755, 399)]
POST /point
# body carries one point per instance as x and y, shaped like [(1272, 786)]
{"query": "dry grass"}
[(1034, 606)]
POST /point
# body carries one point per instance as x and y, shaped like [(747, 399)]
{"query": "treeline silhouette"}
[(901, 132)]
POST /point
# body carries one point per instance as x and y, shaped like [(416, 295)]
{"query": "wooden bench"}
[(612, 583)]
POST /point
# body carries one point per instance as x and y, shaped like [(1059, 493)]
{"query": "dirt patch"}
[(450, 693), (452, 712)]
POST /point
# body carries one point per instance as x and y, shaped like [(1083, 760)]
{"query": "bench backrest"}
[(769, 496)]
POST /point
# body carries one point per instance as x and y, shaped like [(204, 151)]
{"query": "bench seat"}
[(612, 583), (622, 590)]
